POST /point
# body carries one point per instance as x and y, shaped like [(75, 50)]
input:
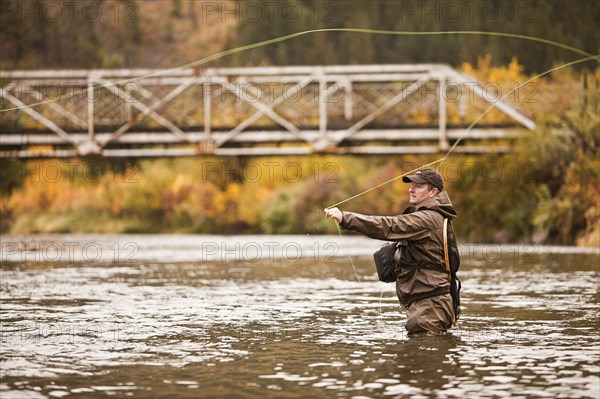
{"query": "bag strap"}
[(447, 261)]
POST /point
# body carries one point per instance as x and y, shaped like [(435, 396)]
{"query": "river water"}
[(182, 316)]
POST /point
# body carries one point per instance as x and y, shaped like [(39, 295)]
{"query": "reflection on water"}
[(172, 321)]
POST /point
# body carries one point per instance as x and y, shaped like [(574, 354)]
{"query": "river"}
[(185, 316)]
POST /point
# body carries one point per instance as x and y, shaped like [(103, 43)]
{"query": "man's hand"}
[(334, 213)]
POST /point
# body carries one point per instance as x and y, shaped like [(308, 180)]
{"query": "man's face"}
[(419, 192)]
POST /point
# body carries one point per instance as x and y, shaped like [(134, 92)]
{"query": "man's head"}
[(425, 183)]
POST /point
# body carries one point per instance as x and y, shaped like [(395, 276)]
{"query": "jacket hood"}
[(440, 203)]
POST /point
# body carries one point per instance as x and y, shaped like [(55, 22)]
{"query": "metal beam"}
[(500, 104), (255, 151), (261, 136)]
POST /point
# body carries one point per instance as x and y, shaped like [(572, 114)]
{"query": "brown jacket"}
[(421, 250)]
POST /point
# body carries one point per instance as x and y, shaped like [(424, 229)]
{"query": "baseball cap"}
[(426, 175)]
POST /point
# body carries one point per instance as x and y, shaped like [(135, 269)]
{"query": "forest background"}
[(547, 190)]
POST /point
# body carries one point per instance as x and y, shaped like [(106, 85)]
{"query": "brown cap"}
[(426, 175)]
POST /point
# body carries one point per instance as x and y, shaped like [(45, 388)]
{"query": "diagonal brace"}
[(37, 116), (256, 116), (146, 110), (500, 104), (268, 110), (411, 89), (52, 104)]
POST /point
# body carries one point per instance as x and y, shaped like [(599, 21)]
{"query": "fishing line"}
[(493, 105), (349, 257), (280, 39), (469, 128), (380, 185)]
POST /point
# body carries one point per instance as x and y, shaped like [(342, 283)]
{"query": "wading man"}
[(422, 284)]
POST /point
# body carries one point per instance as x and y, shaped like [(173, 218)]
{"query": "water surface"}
[(285, 317)]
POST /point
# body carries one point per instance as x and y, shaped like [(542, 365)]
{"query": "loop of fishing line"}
[(280, 39)]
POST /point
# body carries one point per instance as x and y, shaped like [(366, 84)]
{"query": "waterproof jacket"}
[(420, 253)]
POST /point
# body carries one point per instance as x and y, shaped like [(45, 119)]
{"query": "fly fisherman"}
[(422, 285)]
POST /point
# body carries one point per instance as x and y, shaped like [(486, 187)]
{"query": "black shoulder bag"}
[(385, 262)]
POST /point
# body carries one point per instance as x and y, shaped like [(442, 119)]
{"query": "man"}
[(422, 284)]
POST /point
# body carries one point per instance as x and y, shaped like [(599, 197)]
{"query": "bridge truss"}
[(361, 109)]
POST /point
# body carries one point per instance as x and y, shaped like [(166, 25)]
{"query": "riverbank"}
[(499, 198)]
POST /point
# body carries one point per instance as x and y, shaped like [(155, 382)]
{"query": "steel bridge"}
[(362, 109)]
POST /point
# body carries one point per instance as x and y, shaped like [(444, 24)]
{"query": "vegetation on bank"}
[(547, 194)]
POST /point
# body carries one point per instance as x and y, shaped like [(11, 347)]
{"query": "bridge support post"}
[(90, 108), (207, 93), (322, 106), (442, 113)]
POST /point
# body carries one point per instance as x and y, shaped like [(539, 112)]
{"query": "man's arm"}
[(412, 226)]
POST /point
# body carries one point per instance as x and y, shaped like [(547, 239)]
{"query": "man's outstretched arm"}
[(401, 227)]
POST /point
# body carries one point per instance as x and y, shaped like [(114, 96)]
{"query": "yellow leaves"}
[(182, 185), (30, 197), (487, 73), (252, 201), (195, 208), (232, 192), (226, 204), (513, 73), (467, 68)]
